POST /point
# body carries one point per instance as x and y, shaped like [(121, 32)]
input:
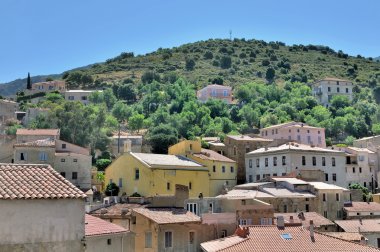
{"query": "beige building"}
[(29, 135), (321, 223), (71, 161), (296, 132), (222, 170), (360, 210), (215, 91), (293, 158), (235, 148), (32, 114), (126, 143), (103, 236), (369, 228), (324, 90), (7, 110), (79, 95), (40, 210), (49, 86)]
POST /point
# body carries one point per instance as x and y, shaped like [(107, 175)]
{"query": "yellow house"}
[(222, 170), (156, 174)]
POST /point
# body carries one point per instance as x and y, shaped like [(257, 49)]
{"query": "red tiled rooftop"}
[(318, 219), (38, 143), (168, 215), (95, 226), (363, 207), (212, 155), (362, 226), (33, 132), (35, 181), (269, 239), (115, 210)]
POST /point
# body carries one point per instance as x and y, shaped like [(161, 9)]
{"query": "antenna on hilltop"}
[(230, 34)]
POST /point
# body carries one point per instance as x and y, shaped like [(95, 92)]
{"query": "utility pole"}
[(230, 34), (118, 140)]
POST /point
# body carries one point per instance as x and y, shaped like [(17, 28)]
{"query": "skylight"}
[(286, 236)]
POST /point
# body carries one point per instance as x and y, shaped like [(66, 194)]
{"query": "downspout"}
[(122, 243)]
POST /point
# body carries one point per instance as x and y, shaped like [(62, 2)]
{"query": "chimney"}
[(128, 145), (280, 222), (363, 241), (311, 229), (291, 219)]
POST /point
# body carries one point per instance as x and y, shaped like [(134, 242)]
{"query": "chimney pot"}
[(291, 219), (280, 222), (311, 228)]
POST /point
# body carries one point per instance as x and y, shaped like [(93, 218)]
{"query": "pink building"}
[(216, 92), (297, 132)]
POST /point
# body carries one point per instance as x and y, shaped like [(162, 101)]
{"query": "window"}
[(334, 176), (148, 239), (337, 196), (250, 178), (286, 236), (75, 160), (319, 139), (365, 184), (360, 170), (325, 214), (168, 186), (314, 161), (257, 162), (63, 146), (303, 160), (257, 177), (43, 156), (361, 158), (274, 174), (307, 209), (274, 161), (63, 174), (84, 98), (285, 208), (71, 97), (298, 130), (190, 185), (283, 160), (326, 177), (192, 207), (224, 233), (250, 163), (266, 162), (211, 207), (109, 241), (328, 89), (137, 174), (245, 222), (235, 151), (346, 90), (225, 93), (265, 221), (120, 182), (214, 168), (232, 169), (323, 161), (308, 139), (191, 237), (22, 156), (337, 90), (276, 131), (223, 169), (283, 174), (298, 138), (324, 197), (63, 160), (168, 239), (339, 214), (333, 161), (272, 131), (353, 169), (243, 202), (74, 175)]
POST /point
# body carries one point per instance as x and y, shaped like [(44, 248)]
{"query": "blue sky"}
[(45, 36)]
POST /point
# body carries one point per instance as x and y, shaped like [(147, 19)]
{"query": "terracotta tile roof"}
[(115, 210), (248, 138), (363, 207), (34, 132), (269, 239), (221, 243), (38, 143), (362, 226), (95, 227), (35, 181), (345, 236), (212, 155), (168, 215), (293, 147), (318, 219)]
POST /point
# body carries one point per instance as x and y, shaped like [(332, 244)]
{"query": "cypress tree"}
[(29, 83)]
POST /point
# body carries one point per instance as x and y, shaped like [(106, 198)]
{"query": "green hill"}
[(232, 62)]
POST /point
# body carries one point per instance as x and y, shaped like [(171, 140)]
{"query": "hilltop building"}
[(48, 86), (325, 89), (215, 91), (79, 95)]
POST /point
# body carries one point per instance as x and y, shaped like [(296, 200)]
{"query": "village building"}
[(7, 110), (71, 161), (79, 95), (126, 142), (29, 135), (156, 174), (55, 208), (49, 86), (281, 237), (215, 91), (369, 228), (296, 132), (359, 210), (311, 163), (325, 89), (321, 223), (103, 236), (222, 170), (235, 148)]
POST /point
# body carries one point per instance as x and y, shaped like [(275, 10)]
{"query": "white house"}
[(323, 90)]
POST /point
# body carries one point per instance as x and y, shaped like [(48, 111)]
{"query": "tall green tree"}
[(28, 82)]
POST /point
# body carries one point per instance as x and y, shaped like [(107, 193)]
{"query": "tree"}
[(340, 101), (102, 164), (126, 92), (109, 98), (136, 122), (225, 62), (28, 82), (161, 137), (190, 64), (119, 111), (149, 76), (269, 75), (208, 55), (112, 190)]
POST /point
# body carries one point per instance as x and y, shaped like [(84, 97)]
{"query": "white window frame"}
[(192, 207), (266, 221), (42, 156)]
